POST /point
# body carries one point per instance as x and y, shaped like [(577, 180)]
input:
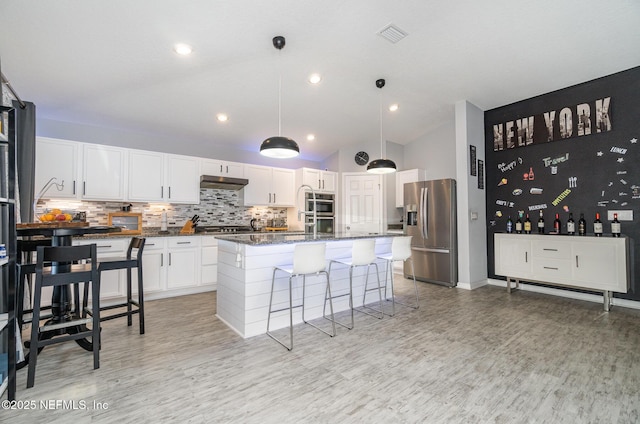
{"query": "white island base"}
[(244, 283)]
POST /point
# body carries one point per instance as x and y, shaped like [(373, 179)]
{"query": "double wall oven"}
[(325, 212)]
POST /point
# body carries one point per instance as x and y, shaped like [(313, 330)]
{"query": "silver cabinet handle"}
[(183, 242), (221, 168), (550, 267), (162, 259), (274, 198), (550, 250), (526, 257), (227, 169), (169, 192), (319, 184), (161, 192), (577, 265), (169, 258), (74, 186), (103, 246), (84, 188)]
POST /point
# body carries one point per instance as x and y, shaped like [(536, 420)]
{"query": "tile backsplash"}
[(217, 207)]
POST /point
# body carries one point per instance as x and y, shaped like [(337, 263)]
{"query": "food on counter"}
[(55, 215)]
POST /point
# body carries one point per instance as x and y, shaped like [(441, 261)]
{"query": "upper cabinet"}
[(408, 176), (146, 176), (57, 159), (182, 179), (103, 172), (159, 177), (222, 168), (269, 186), (321, 181)]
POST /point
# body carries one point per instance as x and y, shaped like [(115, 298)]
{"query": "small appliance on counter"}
[(130, 222)]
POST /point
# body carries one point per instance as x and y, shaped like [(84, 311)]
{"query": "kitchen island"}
[(245, 269)]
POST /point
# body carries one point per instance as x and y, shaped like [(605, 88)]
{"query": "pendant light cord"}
[(382, 155), (279, 104)]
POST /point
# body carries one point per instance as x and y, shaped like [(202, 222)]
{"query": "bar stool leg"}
[(273, 281), (140, 300), (129, 298), (366, 282)]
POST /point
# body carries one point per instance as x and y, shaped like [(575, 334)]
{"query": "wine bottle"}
[(557, 225), (519, 224), (615, 226), (527, 225), (509, 225), (531, 176), (582, 226), (597, 226), (541, 223), (571, 225)]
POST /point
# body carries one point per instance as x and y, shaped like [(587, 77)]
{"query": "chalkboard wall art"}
[(573, 151)]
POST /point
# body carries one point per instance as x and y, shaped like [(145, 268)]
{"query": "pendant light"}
[(278, 146), (381, 166)]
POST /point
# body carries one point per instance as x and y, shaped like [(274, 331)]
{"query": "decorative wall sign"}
[(576, 158), (480, 174), (472, 157)]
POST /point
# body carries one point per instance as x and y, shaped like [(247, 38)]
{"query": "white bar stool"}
[(363, 253), (400, 251), (308, 259)]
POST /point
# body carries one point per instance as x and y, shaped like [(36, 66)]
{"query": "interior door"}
[(362, 202)]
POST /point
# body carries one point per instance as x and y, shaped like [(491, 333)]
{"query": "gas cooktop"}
[(223, 229)]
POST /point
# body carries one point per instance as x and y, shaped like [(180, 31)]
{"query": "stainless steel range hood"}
[(222, 183)]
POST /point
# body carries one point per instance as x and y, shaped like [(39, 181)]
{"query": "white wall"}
[(145, 141), (472, 233), (435, 152)]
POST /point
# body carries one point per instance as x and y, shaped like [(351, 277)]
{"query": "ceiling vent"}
[(392, 33)]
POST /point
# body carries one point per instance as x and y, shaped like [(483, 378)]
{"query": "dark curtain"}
[(26, 157)]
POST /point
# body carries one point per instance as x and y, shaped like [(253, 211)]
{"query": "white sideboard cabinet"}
[(591, 263)]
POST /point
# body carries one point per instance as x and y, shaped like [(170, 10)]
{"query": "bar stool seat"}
[(400, 251), (129, 262), (308, 259), (362, 255)]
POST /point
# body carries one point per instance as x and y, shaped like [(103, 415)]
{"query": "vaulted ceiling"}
[(112, 64)]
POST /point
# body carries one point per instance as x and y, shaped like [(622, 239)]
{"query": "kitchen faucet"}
[(305, 212)]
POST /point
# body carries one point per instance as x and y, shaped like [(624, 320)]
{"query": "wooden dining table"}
[(62, 235)]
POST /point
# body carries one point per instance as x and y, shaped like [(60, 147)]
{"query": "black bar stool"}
[(26, 267), (66, 268), (128, 262)]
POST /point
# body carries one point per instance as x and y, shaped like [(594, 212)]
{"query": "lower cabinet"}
[(594, 263), (182, 264)]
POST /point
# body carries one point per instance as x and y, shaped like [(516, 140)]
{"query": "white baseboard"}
[(625, 303)]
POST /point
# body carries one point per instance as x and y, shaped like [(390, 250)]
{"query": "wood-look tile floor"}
[(480, 356)]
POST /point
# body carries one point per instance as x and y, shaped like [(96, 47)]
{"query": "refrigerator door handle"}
[(423, 249), (424, 204)]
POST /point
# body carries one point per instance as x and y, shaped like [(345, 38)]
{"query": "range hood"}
[(222, 183)]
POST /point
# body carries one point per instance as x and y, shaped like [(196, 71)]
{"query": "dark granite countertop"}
[(262, 239)]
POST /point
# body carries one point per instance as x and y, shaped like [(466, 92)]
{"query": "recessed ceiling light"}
[(222, 117), (183, 49), (315, 78), (311, 137), (393, 107)]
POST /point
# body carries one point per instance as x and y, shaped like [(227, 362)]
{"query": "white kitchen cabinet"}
[(593, 263), (153, 266), (408, 176), (58, 159), (209, 268), (221, 168), (269, 186), (112, 282), (183, 262), (146, 176), (182, 179), (103, 172), (320, 181)]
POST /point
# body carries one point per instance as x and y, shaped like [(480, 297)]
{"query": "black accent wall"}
[(587, 162)]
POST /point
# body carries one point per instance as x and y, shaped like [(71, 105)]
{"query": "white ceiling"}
[(110, 63)]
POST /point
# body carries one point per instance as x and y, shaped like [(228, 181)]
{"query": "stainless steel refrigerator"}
[(430, 217)]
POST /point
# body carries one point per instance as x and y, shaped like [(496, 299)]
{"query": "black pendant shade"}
[(381, 166), (279, 147)]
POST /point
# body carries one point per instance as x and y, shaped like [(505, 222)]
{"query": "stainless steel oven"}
[(324, 224), (325, 212)]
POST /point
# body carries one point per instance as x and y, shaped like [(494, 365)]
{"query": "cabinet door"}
[(258, 191), (600, 264), (146, 175), (112, 282), (153, 266), (512, 256), (183, 262), (182, 183), (312, 178), (234, 169), (283, 187), (59, 159), (218, 167), (103, 172), (329, 180)]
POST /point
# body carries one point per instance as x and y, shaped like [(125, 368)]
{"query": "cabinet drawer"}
[(106, 246), (551, 249), (552, 269), (154, 243), (174, 242)]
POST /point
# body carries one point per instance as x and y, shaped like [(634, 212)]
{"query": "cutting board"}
[(52, 224)]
